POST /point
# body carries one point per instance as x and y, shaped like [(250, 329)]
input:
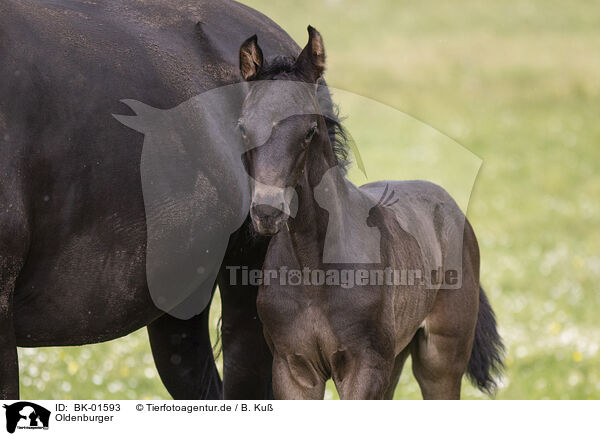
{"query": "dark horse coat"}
[(72, 222), (360, 333)]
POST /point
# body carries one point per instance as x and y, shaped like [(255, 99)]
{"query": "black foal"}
[(356, 279)]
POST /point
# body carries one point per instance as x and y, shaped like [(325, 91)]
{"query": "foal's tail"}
[(488, 351)]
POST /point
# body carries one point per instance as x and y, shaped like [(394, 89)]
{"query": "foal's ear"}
[(311, 62), (251, 58)]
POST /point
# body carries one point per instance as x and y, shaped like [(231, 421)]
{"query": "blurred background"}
[(516, 84)]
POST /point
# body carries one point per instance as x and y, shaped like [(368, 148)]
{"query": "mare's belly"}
[(81, 302)]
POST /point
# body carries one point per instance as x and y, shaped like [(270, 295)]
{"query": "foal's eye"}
[(310, 133)]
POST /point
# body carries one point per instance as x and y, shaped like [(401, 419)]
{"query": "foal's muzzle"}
[(267, 220)]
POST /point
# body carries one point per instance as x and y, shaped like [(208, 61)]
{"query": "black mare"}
[(73, 230)]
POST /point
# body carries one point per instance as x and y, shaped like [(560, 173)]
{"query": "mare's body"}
[(72, 221)]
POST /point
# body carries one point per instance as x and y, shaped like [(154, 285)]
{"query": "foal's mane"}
[(282, 68)]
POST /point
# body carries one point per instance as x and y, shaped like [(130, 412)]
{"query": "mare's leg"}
[(441, 351), (14, 240), (247, 361), (9, 369), (184, 357)]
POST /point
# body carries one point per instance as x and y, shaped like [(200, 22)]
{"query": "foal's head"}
[(281, 125)]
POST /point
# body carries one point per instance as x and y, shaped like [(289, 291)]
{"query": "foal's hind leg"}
[(441, 351)]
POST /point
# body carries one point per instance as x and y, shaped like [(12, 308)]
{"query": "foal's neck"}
[(309, 227)]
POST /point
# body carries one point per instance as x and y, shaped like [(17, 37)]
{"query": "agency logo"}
[(26, 415)]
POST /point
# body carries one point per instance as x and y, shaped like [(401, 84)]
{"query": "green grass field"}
[(516, 83)]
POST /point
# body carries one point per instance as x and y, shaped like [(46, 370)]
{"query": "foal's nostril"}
[(264, 211)]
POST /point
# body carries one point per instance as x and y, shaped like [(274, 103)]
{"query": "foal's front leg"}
[(294, 378), (368, 377), (365, 384)]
